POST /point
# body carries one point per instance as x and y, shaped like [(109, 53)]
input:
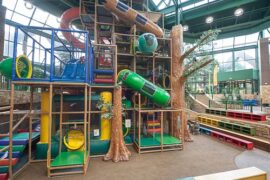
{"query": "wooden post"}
[(30, 124), (50, 130), (11, 129), (61, 120), (85, 129)]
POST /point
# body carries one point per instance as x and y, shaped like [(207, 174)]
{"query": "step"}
[(98, 80), (19, 148), (3, 176), (3, 169), (68, 159), (5, 162), (103, 71), (233, 140), (154, 130), (15, 154), (19, 139)]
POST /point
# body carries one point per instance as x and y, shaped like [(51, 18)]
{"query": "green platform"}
[(148, 141), (19, 148), (156, 140), (69, 159), (168, 140)]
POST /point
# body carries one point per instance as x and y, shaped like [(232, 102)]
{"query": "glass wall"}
[(25, 14)]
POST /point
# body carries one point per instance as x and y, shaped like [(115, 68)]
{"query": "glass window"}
[(224, 61), (148, 88), (40, 16), (239, 40), (20, 19), (250, 54), (10, 4), (227, 43), (20, 8), (217, 44), (252, 39)]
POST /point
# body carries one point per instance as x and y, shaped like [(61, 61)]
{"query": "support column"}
[(264, 65), (2, 29)]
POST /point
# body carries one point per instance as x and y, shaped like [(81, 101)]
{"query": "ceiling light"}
[(28, 5), (239, 12), (209, 19), (185, 28)]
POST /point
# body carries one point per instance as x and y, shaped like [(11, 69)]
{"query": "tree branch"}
[(193, 67), (205, 38)]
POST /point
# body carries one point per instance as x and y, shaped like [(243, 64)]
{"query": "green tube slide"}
[(6, 67), (23, 67), (146, 88)]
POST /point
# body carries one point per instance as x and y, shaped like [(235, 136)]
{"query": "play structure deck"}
[(73, 126)]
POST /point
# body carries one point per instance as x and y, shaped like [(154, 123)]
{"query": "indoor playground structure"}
[(77, 75)]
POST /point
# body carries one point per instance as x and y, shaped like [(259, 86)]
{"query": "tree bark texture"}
[(118, 150), (178, 82)]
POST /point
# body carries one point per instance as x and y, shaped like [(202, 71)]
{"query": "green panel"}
[(22, 136), (99, 147), (68, 159), (19, 148), (42, 148), (3, 169), (238, 75)]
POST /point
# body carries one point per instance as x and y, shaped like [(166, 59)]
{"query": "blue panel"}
[(122, 7), (140, 19)]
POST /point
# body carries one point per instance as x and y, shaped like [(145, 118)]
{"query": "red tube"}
[(67, 17)]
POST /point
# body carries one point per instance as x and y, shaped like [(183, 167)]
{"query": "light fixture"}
[(209, 19), (28, 5), (185, 28), (239, 12)]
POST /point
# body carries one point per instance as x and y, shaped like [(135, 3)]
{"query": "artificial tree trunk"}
[(118, 150), (178, 82)]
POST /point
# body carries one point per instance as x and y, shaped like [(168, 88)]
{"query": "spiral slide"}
[(67, 17)]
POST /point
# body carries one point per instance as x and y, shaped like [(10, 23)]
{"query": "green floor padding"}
[(19, 148), (68, 159), (156, 140), (167, 139), (148, 141), (22, 136)]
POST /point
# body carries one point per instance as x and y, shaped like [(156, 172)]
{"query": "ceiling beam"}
[(208, 9), (235, 30), (170, 9)]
